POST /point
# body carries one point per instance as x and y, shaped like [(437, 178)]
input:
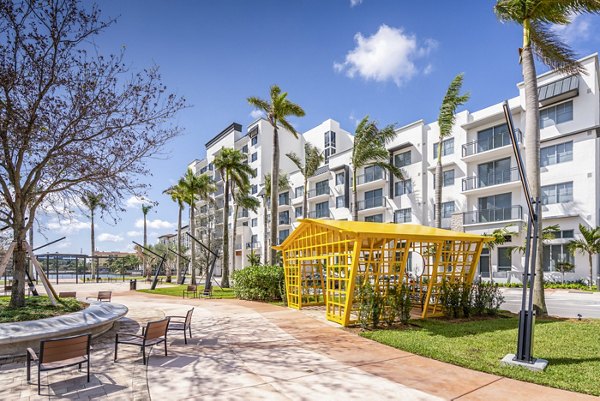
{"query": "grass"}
[(37, 308), (572, 348), (176, 291)]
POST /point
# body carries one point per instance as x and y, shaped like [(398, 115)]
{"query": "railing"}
[(370, 203), (252, 245), (490, 215), (373, 175), (318, 214), (319, 191), (493, 178), (496, 141)]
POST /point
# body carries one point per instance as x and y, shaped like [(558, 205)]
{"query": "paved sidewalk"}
[(251, 351)]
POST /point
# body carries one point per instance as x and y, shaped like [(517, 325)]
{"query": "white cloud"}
[(106, 237), (428, 69), (137, 202), (157, 224), (578, 29), (389, 54), (134, 233), (67, 226), (256, 114), (354, 3)]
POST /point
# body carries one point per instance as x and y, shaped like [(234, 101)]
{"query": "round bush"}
[(259, 283)]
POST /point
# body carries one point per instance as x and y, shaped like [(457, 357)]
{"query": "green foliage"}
[(375, 307), (123, 265), (253, 258), (459, 299), (176, 291), (259, 283), (37, 308), (571, 285), (486, 299)]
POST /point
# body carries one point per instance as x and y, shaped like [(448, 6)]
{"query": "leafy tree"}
[(536, 17), (589, 244), (313, 158), (282, 185), (178, 195), (231, 164), (370, 150), (123, 265), (564, 267), (244, 200), (446, 120), (277, 109), (195, 187), (145, 210), (71, 121), (93, 202)]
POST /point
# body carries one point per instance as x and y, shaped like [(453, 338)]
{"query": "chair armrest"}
[(129, 335), (32, 354), (176, 317)]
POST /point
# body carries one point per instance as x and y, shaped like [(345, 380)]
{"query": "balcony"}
[(483, 216), (318, 214), (319, 193), (253, 245), (496, 146), (489, 180), (370, 203), (243, 214), (373, 177)]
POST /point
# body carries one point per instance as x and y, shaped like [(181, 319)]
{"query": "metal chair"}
[(185, 326), (154, 333)]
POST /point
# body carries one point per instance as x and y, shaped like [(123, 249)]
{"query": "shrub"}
[(259, 283), (463, 300), (375, 307), (487, 298)]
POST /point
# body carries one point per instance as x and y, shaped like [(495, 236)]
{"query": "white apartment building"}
[(481, 187)]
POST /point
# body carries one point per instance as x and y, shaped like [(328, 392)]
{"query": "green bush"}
[(459, 299), (375, 307), (487, 299), (259, 283), (571, 285)]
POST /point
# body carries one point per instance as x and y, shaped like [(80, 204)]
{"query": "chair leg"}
[(116, 347), (190, 329), (88, 369), (28, 367), (39, 382), (144, 355), (184, 336), (166, 346)]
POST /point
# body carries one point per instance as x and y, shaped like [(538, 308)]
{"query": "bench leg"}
[(88, 369), (166, 346), (190, 329), (184, 336), (144, 355), (28, 367), (39, 381), (116, 347)]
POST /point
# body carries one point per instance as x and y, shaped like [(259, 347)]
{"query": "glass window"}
[(493, 138), (329, 145), (403, 216), (340, 179), (283, 234), (402, 159), (254, 140), (504, 258), (448, 178), (284, 198), (557, 193), (204, 209), (254, 189), (376, 218), (373, 198), (554, 254), (245, 149), (322, 187), (340, 201), (495, 208), (299, 191), (556, 114), (254, 156), (447, 147), (403, 187), (254, 222), (447, 209), (298, 213), (373, 173), (560, 153), (284, 217), (322, 209)]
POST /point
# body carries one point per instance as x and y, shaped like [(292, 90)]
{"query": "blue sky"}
[(340, 59)]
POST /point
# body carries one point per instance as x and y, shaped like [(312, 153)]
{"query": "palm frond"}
[(259, 103), (395, 171), (313, 158), (296, 160), (452, 100), (550, 50), (285, 124)]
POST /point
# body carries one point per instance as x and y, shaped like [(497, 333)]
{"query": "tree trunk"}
[(178, 259), (17, 296), (225, 264), (92, 244), (354, 194), (532, 157), (438, 187), (274, 194), (192, 242), (234, 236), (591, 270), (265, 231), (146, 268), (305, 198)]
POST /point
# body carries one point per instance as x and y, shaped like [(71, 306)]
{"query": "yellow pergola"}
[(325, 260)]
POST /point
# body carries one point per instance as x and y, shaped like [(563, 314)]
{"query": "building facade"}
[(481, 186)]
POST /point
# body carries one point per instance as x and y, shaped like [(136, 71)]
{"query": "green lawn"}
[(37, 308), (571, 347), (176, 291)]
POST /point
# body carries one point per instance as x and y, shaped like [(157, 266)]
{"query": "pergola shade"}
[(325, 262)]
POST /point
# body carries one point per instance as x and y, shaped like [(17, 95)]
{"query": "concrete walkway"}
[(252, 351)]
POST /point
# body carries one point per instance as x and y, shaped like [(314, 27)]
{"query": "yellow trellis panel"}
[(326, 260)]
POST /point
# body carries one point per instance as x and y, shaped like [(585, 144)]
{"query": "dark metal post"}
[(160, 266), (76, 269), (56, 267)]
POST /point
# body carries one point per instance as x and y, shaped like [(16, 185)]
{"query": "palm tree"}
[(234, 170), (178, 195), (370, 150), (536, 17), (282, 185), (277, 110), (446, 120), (590, 244), (244, 200), (312, 160), (93, 202), (145, 210), (195, 187)]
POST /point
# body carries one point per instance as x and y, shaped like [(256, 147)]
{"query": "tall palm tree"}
[(145, 210), (535, 16), (92, 202), (234, 170), (313, 158), (282, 185), (195, 187), (369, 149), (446, 120), (589, 244), (178, 195), (246, 201), (277, 109)]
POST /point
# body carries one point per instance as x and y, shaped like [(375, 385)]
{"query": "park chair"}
[(103, 296), (207, 292), (60, 353), (184, 326), (154, 333), (67, 294), (191, 289)]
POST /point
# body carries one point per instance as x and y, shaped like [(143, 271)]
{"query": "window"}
[(254, 156), (554, 254), (494, 208), (556, 114), (284, 198), (245, 149), (340, 201), (283, 234), (322, 188), (557, 193), (493, 138), (211, 167), (403, 216), (403, 187), (376, 218), (447, 148), (298, 212), (330, 147), (372, 173), (254, 140), (254, 222), (447, 209), (298, 192), (554, 154), (254, 189), (448, 178), (340, 178), (403, 159), (255, 172), (504, 258), (203, 169), (254, 239), (373, 198), (322, 209), (564, 234), (284, 217), (204, 209)]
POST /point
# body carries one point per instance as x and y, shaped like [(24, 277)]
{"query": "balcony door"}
[(493, 173), (492, 138), (495, 207), (484, 263), (373, 198)]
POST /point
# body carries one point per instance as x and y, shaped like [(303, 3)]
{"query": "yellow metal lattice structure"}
[(325, 261)]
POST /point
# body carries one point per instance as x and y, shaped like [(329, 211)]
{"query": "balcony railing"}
[(493, 178), (491, 215), (370, 203), (374, 175), (319, 191), (318, 214), (252, 245), (496, 141)]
